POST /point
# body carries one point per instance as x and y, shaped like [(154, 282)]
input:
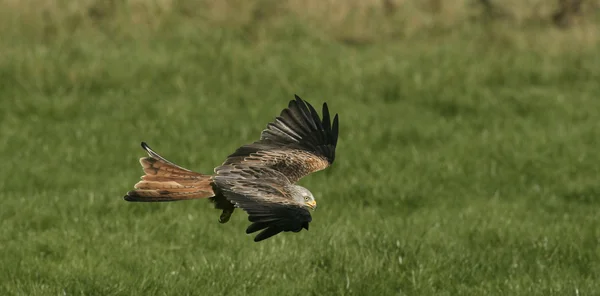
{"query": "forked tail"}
[(166, 181)]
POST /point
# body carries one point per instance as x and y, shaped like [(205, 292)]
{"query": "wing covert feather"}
[(296, 143)]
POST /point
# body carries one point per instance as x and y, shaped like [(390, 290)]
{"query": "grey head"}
[(303, 196)]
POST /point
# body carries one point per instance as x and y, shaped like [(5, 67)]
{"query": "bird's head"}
[(305, 197)]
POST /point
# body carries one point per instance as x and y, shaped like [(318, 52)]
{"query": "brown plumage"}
[(258, 177), (165, 181)]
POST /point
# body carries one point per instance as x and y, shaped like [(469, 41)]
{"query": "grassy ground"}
[(467, 161)]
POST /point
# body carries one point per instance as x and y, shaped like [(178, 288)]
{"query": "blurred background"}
[(466, 164)]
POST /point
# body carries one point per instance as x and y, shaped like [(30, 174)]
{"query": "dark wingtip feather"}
[(315, 116), (306, 114), (326, 119), (256, 226), (297, 100), (145, 146), (267, 233), (335, 130)]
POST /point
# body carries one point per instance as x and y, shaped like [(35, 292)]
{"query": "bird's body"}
[(259, 177)]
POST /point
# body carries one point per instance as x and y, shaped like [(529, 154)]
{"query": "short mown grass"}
[(467, 161)]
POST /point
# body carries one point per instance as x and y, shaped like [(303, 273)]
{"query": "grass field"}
[(467, 162)]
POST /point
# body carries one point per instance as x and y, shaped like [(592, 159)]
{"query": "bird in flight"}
[(259, 177)]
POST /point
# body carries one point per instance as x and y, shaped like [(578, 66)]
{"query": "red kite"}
[(259, 177)]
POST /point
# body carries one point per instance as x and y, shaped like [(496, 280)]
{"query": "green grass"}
[(467, 163)]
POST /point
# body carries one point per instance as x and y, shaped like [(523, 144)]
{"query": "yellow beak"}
[(312, 204)]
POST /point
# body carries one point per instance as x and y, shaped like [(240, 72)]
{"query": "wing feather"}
[(305, 113), (298, 142), (334, 130), (261, 192), (326, 121)]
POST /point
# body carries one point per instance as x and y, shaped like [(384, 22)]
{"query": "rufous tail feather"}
[(166, 181)]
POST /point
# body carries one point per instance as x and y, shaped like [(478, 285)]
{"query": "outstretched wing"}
[(261, 192), (296, 144)]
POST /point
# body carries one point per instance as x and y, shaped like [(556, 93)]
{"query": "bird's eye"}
[(306, 198)]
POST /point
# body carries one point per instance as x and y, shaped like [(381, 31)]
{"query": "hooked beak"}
[(312, 204)]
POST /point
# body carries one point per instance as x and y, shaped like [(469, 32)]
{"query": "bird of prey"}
[(259, 177)]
